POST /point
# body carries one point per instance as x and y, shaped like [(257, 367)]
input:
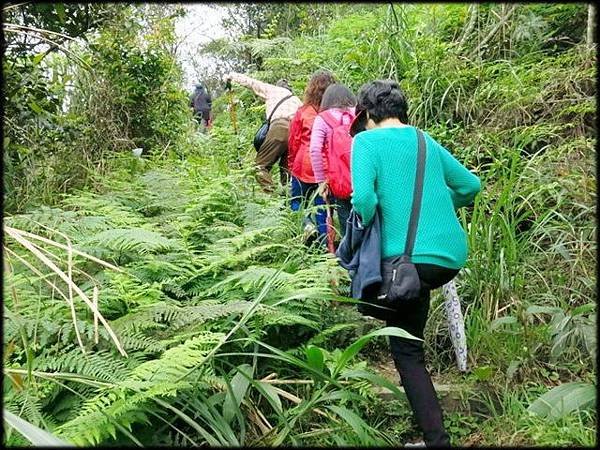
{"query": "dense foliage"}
[(214, 323), (83, 101)]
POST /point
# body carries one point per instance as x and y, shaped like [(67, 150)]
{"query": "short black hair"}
[(383, 99), (337, 96)]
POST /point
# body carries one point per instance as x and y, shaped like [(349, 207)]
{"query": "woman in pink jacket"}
[(338, 104)]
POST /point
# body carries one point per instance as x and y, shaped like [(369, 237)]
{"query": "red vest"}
[(299, 162)]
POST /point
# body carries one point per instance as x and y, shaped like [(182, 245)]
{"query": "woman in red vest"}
[(303, 184)]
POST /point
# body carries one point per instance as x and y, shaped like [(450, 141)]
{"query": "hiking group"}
[(395, 190)]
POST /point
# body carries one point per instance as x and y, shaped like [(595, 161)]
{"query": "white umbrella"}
[(456, 324)]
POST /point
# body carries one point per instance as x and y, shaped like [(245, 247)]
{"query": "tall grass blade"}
[(35, 435)]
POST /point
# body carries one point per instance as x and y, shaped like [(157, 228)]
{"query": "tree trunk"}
[(591, 24), (474, 11)]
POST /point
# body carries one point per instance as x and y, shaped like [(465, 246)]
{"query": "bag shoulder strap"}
[(277, 106), (417, 195), (330, 120)]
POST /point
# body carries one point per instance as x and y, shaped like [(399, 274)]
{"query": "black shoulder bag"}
[(400, 280), (261, 134)]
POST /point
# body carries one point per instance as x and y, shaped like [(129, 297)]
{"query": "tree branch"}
[(492, 33), (474, 10)]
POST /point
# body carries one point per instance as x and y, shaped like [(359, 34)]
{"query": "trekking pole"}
[(233, 117), (232, 112)]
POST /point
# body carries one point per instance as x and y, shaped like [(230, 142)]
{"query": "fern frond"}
[(136, 340), (161, 268), (125, 403), (106, 205), (268, 315), (102, 365), (251, 279), (138, 240), (324, 335)]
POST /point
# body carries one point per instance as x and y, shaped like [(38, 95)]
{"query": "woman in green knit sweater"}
[(384, 157)]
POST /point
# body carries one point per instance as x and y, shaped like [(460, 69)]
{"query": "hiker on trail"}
[(330, 145), (201, 103), (303, 185), (280, 106), (384, 162)]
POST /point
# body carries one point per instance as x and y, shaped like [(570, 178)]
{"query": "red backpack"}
[(338, 155)]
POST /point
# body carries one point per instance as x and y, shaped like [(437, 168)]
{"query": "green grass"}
[(510, 424)]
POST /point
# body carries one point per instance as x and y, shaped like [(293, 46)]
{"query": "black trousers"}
[(409, 357)]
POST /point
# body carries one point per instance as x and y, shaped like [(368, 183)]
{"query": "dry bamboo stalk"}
[(288, 381), (253, 416), (16, 5), (64, 247), (95, 302), (474, 11), (259, 418), (51, 375), (28, 245), (37, 272), (72, 300), (298, 400), (269, 377), (498, 26), (271, 381), (591, 24), (39, 30), (264, 419), (70, 275)]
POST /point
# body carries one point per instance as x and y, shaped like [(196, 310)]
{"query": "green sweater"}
[(383, 175)]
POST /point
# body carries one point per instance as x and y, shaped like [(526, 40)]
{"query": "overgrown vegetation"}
[(165, 300)]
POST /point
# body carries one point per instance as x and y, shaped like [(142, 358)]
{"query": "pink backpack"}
[(338, 154)]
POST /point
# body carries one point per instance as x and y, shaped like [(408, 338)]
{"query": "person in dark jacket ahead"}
[(201, 103), (384, 158)]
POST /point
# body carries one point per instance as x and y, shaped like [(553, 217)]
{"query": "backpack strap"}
[(346, 113), (417, 195), (327, 116), (330, 120), (277, 106)]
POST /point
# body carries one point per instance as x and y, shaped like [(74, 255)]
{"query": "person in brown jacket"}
[(274, 148)]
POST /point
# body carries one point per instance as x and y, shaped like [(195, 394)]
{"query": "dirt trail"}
[(454, 394)]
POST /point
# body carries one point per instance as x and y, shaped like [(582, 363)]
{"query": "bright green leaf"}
[(563, 399), (539, 309), (268, 391), (355, 347), (60, 12), (583, 309), (239, 387), (35, 107), (38, 58), (483, 373), (358, 425), (314, 357), (502, 321)]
